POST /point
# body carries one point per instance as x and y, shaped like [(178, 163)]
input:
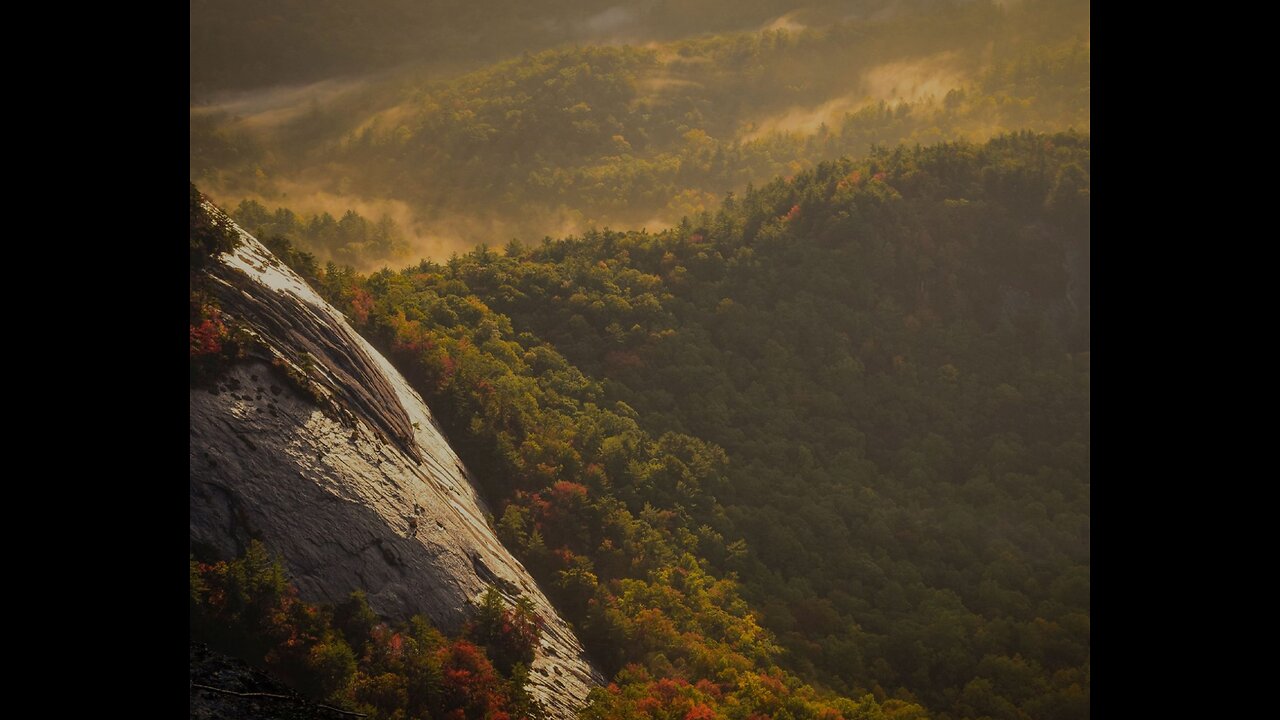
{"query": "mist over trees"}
[(240, 44), (640, 135), (764, 326)]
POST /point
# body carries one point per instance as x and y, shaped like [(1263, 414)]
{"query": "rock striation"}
[(317, 446)]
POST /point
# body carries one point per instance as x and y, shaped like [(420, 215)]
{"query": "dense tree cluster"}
[(210, 235), (508, 635), (857, 398), (347, 656), (589, 500), (213, 340), (353, 239)]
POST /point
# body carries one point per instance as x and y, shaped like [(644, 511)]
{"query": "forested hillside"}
[(240, 44), (762, 326), (835, 433), (555, 141)]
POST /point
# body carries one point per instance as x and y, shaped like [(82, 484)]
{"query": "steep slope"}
[(316, 445), (891, 357)]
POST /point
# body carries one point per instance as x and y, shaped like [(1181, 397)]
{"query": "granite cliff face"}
[(316, 445)]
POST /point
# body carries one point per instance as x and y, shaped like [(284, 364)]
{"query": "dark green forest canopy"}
[(862, 392)]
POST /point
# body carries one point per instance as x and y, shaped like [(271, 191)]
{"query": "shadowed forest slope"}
[(863, 392)]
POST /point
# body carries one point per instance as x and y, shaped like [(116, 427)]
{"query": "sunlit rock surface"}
[(326, 471)]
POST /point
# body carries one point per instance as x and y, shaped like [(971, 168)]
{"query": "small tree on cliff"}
[(509, 636)]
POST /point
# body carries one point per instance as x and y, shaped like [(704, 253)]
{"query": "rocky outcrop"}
[(316, 445), (224, 688)]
